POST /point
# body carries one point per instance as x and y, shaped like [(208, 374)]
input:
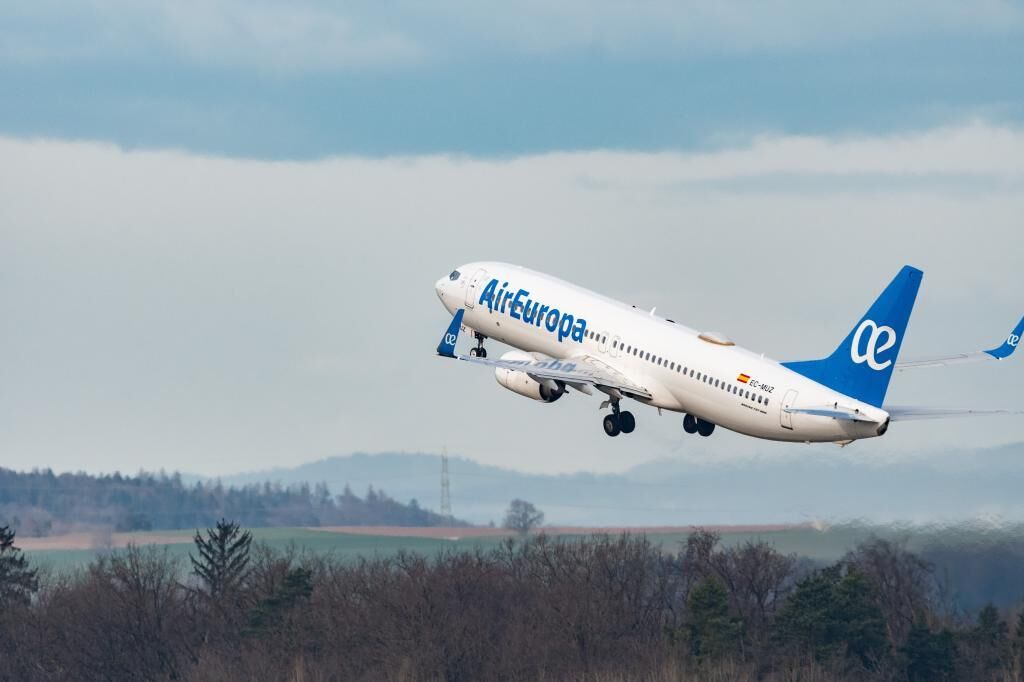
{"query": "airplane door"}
[(473, 290), (786, 418)]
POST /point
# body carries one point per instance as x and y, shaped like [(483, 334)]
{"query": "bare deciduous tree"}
[(904, 581), (599, 607), (522, 516), (757, 576)]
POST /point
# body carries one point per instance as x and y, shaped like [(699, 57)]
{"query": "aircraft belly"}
[(751, 419)]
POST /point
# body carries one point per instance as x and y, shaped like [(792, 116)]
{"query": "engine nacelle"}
[(547, 391)]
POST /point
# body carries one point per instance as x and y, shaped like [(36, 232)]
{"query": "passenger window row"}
[(686, 371), (727, 387)]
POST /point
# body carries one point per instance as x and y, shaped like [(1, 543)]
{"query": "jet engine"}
[(547, 391)]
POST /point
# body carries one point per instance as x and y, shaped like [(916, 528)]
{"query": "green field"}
[(819, 545)]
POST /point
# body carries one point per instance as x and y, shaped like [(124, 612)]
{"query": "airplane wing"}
[(1002, 352), (902, 414), (585, 370)]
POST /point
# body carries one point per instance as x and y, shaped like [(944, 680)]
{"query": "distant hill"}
[(41, 503), (814, 483)]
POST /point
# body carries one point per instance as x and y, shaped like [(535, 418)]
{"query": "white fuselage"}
[(710, 379)]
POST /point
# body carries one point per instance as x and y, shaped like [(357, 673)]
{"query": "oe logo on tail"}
[(1013, 340), (870, 354)]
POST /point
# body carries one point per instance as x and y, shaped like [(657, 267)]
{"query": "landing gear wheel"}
[(705, 428), (611, 425), (479, 351), (690, 424), (626, 422)]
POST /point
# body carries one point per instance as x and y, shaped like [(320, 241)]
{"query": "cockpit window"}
[(454, 276)]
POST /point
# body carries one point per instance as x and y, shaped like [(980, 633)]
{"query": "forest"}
[(39, 503), (578, 608)]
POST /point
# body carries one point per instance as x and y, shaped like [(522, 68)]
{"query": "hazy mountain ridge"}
[(816, 483), (41, 503)]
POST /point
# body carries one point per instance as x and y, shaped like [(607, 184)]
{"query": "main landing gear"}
[(479, 351), (618, 422), (693, 424)]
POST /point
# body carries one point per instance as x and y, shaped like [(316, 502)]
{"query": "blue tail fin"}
[(863, 363)]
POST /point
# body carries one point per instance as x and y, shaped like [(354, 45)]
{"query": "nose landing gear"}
[(618, 422)]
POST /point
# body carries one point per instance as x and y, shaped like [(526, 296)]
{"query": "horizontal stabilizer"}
[(903, 413), (841, 413)]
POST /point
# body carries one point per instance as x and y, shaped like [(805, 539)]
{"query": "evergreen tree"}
[(18, 582), (713, 632), (270, 612), (832, 613), (223, 559), (804, 621), (929, 655), (860, 617), (991, 641), (1018, 643)]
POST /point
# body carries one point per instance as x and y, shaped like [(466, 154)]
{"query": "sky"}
[(220, 222)]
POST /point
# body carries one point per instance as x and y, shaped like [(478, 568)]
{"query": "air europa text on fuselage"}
[(519, 306)]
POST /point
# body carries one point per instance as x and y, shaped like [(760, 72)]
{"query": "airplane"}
[(567, 337)]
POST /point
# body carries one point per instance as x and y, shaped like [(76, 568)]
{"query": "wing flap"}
[(585, 370)]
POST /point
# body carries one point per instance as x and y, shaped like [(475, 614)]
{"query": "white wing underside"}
[(944, 360), (583, 370)]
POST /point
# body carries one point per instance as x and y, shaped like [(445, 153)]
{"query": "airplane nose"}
[(439, 286)]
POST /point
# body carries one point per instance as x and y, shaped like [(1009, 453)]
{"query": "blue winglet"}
[(447, 345), (1010, 344)]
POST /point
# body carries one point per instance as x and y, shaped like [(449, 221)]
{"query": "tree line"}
[(596, 608), (40, 503)]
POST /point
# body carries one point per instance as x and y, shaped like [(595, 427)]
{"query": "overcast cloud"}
[(317, 35), (176, 310), (315, 79)]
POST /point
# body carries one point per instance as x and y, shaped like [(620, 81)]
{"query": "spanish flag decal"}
[(743, 378)]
